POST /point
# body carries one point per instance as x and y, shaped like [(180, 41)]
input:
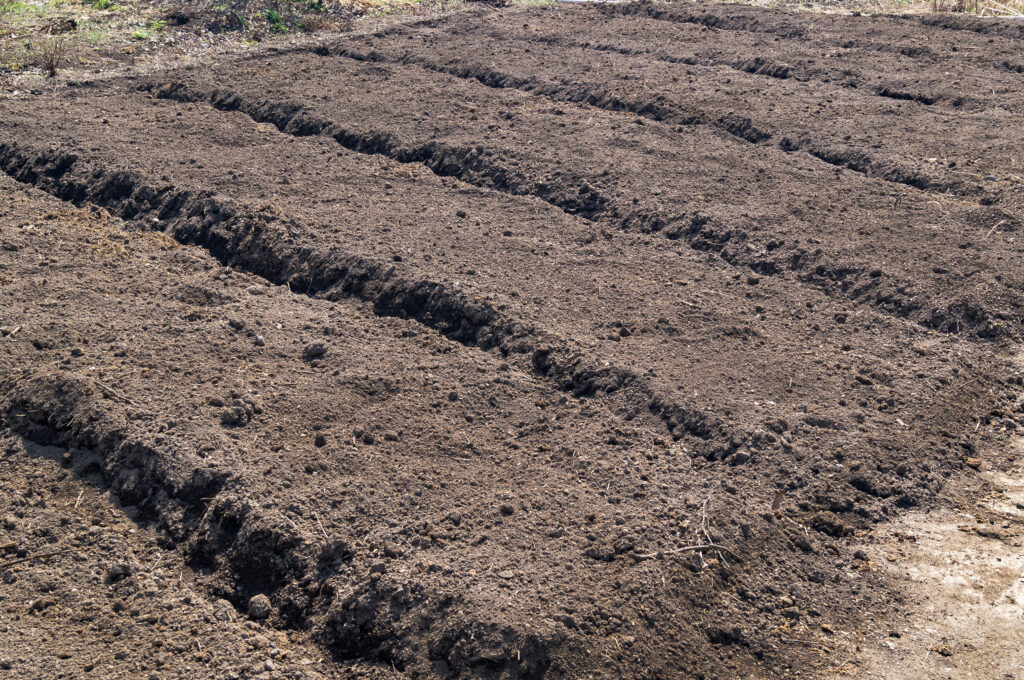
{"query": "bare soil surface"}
[(111, 600), (965, 580), (556, 342)]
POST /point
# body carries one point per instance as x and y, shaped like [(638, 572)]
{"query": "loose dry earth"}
[(608, 341)]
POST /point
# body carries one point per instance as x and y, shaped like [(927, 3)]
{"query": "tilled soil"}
[(532, 342), (110, 600)]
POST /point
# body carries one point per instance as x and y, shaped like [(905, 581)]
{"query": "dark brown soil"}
[(110, 600), (526, 342), (638, 175)]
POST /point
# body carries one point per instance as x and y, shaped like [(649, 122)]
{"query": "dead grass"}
[(50, 38), (994, 8), (985, 8), (1009, 8)]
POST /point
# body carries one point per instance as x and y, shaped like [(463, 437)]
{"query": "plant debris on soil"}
[(590, 341), (43, 39)]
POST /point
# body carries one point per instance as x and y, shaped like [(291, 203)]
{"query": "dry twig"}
[(687, 548), (114, 393), (319, 524), (41, 556)]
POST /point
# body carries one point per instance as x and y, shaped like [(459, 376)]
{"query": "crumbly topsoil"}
[(109, 598), (520, 343)]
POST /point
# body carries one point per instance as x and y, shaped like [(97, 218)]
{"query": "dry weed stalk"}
[(54, 52)]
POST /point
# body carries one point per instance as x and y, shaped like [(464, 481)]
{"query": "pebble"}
[(259, 607), (259, 341)]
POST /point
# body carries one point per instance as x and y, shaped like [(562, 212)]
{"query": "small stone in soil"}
[(259, 607)]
